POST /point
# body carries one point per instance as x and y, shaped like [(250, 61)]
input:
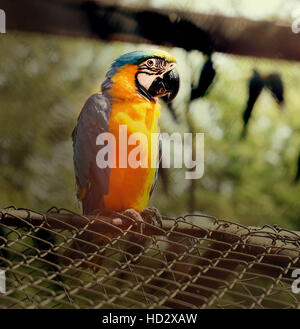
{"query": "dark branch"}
[(167, 27)]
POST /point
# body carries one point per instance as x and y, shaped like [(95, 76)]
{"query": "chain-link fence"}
[(193, 261)]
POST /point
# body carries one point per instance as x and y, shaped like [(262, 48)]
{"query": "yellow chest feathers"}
[(130, 187), (128, 107)]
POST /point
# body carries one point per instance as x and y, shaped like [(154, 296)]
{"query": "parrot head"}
[(148, 74)]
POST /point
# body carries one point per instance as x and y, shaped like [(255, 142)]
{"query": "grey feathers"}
[(93, 120)]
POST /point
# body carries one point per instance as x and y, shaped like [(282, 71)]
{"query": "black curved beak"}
[(166, 87), (172, 82)]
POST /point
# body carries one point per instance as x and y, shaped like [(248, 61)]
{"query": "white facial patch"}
[(146, 80), (151, 69)]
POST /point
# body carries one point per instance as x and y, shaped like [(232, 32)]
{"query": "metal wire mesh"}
[(193, 261)]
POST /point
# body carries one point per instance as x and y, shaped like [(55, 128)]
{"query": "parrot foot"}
[(152, 216), (136, 216)]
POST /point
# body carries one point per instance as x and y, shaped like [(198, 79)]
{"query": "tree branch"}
[(168, 27)]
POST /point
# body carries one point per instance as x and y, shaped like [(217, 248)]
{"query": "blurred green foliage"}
[(45, 80)]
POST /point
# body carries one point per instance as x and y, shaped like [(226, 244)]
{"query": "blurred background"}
[(250, 118)]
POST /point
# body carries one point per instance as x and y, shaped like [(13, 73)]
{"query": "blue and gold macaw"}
[(129, 97)]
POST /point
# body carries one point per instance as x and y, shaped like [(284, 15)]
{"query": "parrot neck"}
[(120, 86)]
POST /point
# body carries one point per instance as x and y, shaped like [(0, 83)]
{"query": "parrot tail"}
[(92, 201)]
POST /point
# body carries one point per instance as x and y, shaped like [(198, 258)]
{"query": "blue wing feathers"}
[(158, 163), (93, 120)]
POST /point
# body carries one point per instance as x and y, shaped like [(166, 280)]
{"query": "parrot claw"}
[(152, 216), (136, 216)]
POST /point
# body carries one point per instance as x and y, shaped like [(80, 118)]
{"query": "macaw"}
[(256, 84), (274, 82), (207, 76), (255, 87), (129, 97)]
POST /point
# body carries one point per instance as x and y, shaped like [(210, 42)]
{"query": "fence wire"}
[(193, 261)]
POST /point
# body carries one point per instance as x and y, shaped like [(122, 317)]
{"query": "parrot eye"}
[(150, 62)]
